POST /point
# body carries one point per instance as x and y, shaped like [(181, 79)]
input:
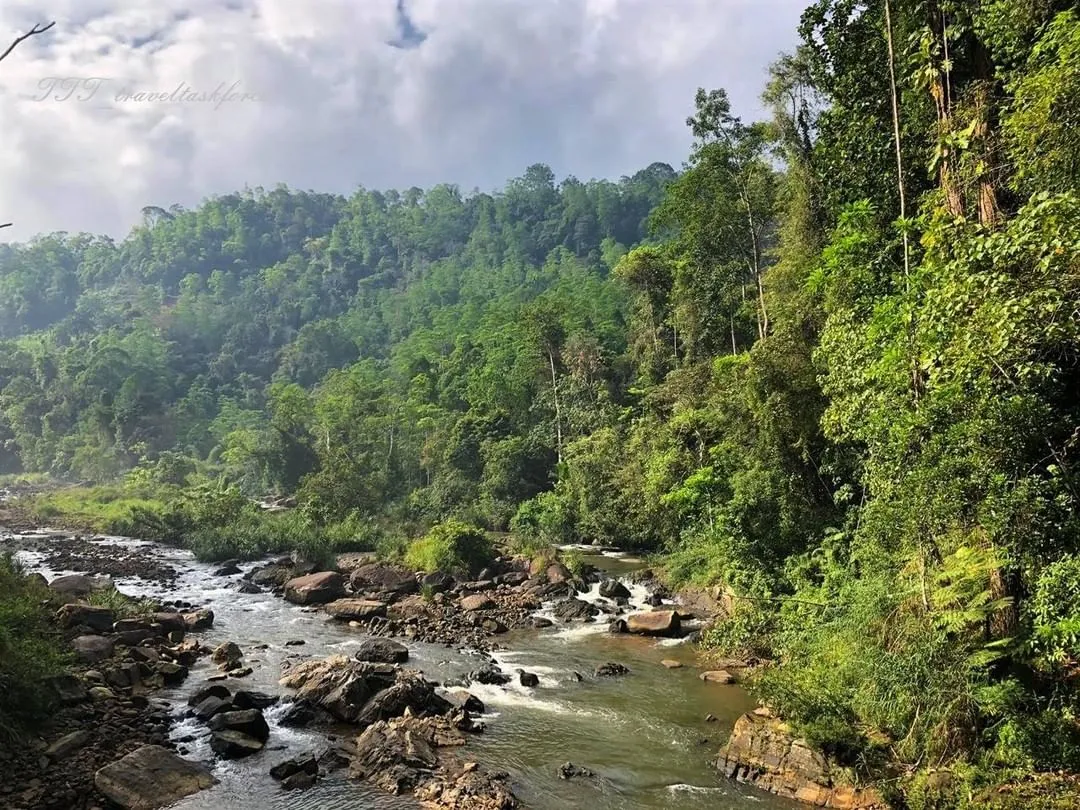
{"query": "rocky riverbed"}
[(309, 681)]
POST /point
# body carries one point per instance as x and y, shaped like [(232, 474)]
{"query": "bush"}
[(546, 520), (452, 547), (30, 652)]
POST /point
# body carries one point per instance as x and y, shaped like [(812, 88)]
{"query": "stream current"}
[(643, 735)]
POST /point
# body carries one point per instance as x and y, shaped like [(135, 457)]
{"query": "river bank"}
[(639, 738)]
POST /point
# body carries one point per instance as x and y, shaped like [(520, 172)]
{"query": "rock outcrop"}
[(763, 751), (654, 623)]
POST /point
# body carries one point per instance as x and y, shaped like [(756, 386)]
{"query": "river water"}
[(644, 735)]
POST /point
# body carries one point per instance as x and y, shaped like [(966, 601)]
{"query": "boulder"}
[(199, 619), (211, 706), (717, 676), (228, 569), (512, 578), (528, 679), (234, 744), (339, 685), (412, 692), (215, 690), (382, 650), (611, 669), (315, 589), (168, 622), (355, 610), (247, 699), (227, 653), (558, 573), (568, 770), (247, 721), (72, 585), (539, 622), (271, 576), (613, 589), (489, 675), (77, 614), (297, 714), (764, 752), (383, 579), (669, 663), (68, 689), (572, 608), (462, 699), (437, 582), (654, 623), (305, 763), (151, 777), (91, 649), (477, 601), (67, 745), (248, 588)]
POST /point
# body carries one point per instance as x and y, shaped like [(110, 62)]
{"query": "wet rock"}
[(611, 669), (234, 744), (764, 752), (613, 589), (355, 609), (468, 786), (339, 685), (95, 619), (710, 718), (568, 770), (168, 622), (539, 622), (411, 692), (228, 569), (151, 777), (464, 700), (315, 589), (212, 706), (297, 714), (478, 601), (214, 690), (305, 763), (382, 650), (654, 600), (247, 721), (271, 576), (654, 623), (227, 653), (199, 619), (489, 675), (172, 674), (248, 588), (528, 679), (717, 676), (67, 745), (93, 648), (669, 663), (383, 579), (246, 699), (243, 672), (394, 756), (570, 609), (296, 642), (299, 781)]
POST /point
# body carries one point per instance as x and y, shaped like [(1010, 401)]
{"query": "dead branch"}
[(37, 29)]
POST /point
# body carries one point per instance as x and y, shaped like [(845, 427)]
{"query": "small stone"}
[(671, 664)]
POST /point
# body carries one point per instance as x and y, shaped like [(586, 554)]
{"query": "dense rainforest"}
[(830, 365)]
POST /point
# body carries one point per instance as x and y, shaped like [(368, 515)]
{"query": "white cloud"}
[(595, 88)]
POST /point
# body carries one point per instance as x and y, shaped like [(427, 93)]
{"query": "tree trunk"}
[(558, 408)]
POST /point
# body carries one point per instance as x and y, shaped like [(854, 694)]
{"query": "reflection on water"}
[(644, 735)]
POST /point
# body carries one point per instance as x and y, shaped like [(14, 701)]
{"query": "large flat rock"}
[(151, 777)]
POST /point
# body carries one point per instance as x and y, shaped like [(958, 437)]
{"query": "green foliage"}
[(452, 547), (30, 652)]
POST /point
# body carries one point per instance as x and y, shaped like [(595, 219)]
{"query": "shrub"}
[(30, 652), (452, 547)]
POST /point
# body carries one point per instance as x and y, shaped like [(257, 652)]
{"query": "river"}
[(644, 735)]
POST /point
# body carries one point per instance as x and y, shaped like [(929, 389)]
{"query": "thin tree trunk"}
[(558, 408), (734, 349)]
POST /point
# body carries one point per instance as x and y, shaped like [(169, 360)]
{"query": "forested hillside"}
[(831, 366)]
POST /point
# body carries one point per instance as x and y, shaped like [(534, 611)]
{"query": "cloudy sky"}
[(312, 94)]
